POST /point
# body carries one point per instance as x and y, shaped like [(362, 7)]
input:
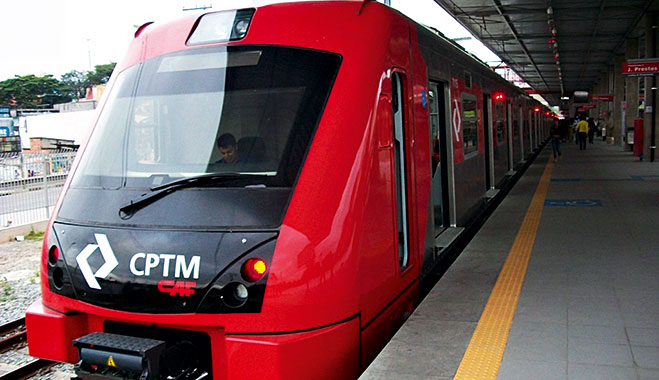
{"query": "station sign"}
[(608, 98), (641, 67)]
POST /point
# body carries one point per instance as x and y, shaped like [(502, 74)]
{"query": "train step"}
[(109, 356)]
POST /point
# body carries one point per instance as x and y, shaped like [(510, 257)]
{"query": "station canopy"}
[(557, 47)]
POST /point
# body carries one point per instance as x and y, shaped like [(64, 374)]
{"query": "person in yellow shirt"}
[(582, 133)]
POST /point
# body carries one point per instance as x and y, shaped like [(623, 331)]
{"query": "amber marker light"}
[(254, 269)]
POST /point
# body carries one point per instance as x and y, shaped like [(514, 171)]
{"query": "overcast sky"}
[(56, 36)]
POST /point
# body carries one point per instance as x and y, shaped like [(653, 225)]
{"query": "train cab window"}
[(167, 118), (400, 169), (469, 125)]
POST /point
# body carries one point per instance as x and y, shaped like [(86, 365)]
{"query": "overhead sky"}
[(56, 36)]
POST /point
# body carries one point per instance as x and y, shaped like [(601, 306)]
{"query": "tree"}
[(75, 84), (101, 74), (32, 91)]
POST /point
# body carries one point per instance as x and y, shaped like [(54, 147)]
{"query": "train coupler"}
[(112, 356), (105, 356)]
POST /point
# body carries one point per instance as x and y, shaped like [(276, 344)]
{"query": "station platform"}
[(561, 282)]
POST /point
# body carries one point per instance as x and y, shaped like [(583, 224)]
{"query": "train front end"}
[(180, 247)]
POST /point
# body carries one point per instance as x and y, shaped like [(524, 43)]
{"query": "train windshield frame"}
[(210, 137), (167, 117)]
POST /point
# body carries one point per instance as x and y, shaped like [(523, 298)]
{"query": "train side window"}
[(400, 169), (500, 126), (469, 125), (515, 116)]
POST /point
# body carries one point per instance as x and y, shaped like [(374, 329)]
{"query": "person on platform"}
[(592, 128), (582, 133), (555, 133)]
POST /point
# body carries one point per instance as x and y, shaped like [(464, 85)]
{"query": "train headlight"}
[(234, 295), (240, 292), (221, 27), (240, 29)]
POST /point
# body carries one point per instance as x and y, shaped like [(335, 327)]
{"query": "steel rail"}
[(7, 342), (13, 325), (27, 370)]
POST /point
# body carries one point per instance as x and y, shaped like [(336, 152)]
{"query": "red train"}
[(265, 189)]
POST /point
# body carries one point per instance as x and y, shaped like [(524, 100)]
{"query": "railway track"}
[(13, 337)]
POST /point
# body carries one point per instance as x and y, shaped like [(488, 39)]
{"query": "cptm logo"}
[(141, 265), (105, 269)]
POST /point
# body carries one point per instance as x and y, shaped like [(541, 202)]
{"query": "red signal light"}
[(499, 96), (254, 269), (537, 109), (53, 255)]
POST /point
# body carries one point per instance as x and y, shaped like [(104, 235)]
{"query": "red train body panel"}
[(345, 261)]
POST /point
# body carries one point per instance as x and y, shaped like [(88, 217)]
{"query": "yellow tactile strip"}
[(483, 357)]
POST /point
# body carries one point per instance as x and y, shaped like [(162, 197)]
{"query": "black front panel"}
[(194, 208), (156, 271)]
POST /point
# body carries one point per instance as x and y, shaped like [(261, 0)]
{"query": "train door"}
[(532, 118), (390, 296), (400, 171), (529, 129), (534, 131), (522, 123), (510, 118), (439, 159), (402, 138), (489, 146)]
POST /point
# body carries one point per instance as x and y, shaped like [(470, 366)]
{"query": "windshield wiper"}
[(157, 192)]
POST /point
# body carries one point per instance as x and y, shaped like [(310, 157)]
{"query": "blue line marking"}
[(573, 203), (631, 178)]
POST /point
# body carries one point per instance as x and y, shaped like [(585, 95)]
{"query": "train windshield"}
[(249, 111)]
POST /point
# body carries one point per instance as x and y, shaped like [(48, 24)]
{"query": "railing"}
[(30, 184)]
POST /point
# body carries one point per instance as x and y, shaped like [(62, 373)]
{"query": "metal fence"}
[(30, 184)]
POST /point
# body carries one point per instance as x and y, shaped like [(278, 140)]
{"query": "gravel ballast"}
[(20, 287)]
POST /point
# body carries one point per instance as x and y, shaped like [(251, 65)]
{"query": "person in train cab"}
[(226, 143), (555, 133), (582, 133)]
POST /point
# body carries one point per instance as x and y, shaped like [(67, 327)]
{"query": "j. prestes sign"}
[(640, 68)]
